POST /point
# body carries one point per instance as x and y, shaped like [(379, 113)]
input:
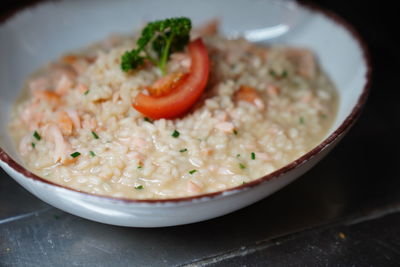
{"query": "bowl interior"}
[(44, 32)]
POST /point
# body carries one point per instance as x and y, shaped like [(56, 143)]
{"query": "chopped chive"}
[(75, 154), (253, 155), (183, 150), (86, 92), (95, 135), (139, 187), (235, 132), (33, 145), (242, 166), (175, 134), (278, 76), (37, 135), (192, 171), (244, 182), (92, 154), (139, 166), (238, 155), (324, 116), (301, 120), (148, 120)]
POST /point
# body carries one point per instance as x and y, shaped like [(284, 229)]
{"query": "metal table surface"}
[(344, 212)]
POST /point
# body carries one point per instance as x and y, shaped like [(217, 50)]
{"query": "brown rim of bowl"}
[(347, 123)]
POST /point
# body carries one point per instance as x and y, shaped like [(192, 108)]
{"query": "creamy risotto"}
[(262, 108)]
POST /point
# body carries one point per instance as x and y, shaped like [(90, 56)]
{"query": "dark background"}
[(344, 212)]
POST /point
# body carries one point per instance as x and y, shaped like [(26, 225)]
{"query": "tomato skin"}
[(185, 94), (167, 84)]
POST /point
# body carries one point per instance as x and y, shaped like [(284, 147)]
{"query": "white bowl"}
[(42, 33)]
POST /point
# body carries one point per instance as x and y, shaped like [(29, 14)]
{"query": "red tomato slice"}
[(166, 84), (185, 94)]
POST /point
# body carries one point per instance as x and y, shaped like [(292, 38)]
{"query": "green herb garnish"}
[(253, 155), (139, 187), (158, 40), (33, 145), (95, 135), (37, 135), (238, 155), (86, 92), (192, 171), (183, 150), (92, 154), (301, 120), (278, 76), (139, 166), (75, 154), (242, 166), (175, 134)]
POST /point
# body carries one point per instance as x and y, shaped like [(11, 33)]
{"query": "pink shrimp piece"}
[(69, 59), (305, 61), (250, 95), (53, 134), (80, 66), (226, 127), (39, 83), (273, 90), (25, 145), (77, 62), (46, 95), (63, 85), (208, 29), (65, 123), (73, 114), (193, 187), (57, 71)]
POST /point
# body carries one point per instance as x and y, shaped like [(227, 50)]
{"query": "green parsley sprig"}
[(157, 41)]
